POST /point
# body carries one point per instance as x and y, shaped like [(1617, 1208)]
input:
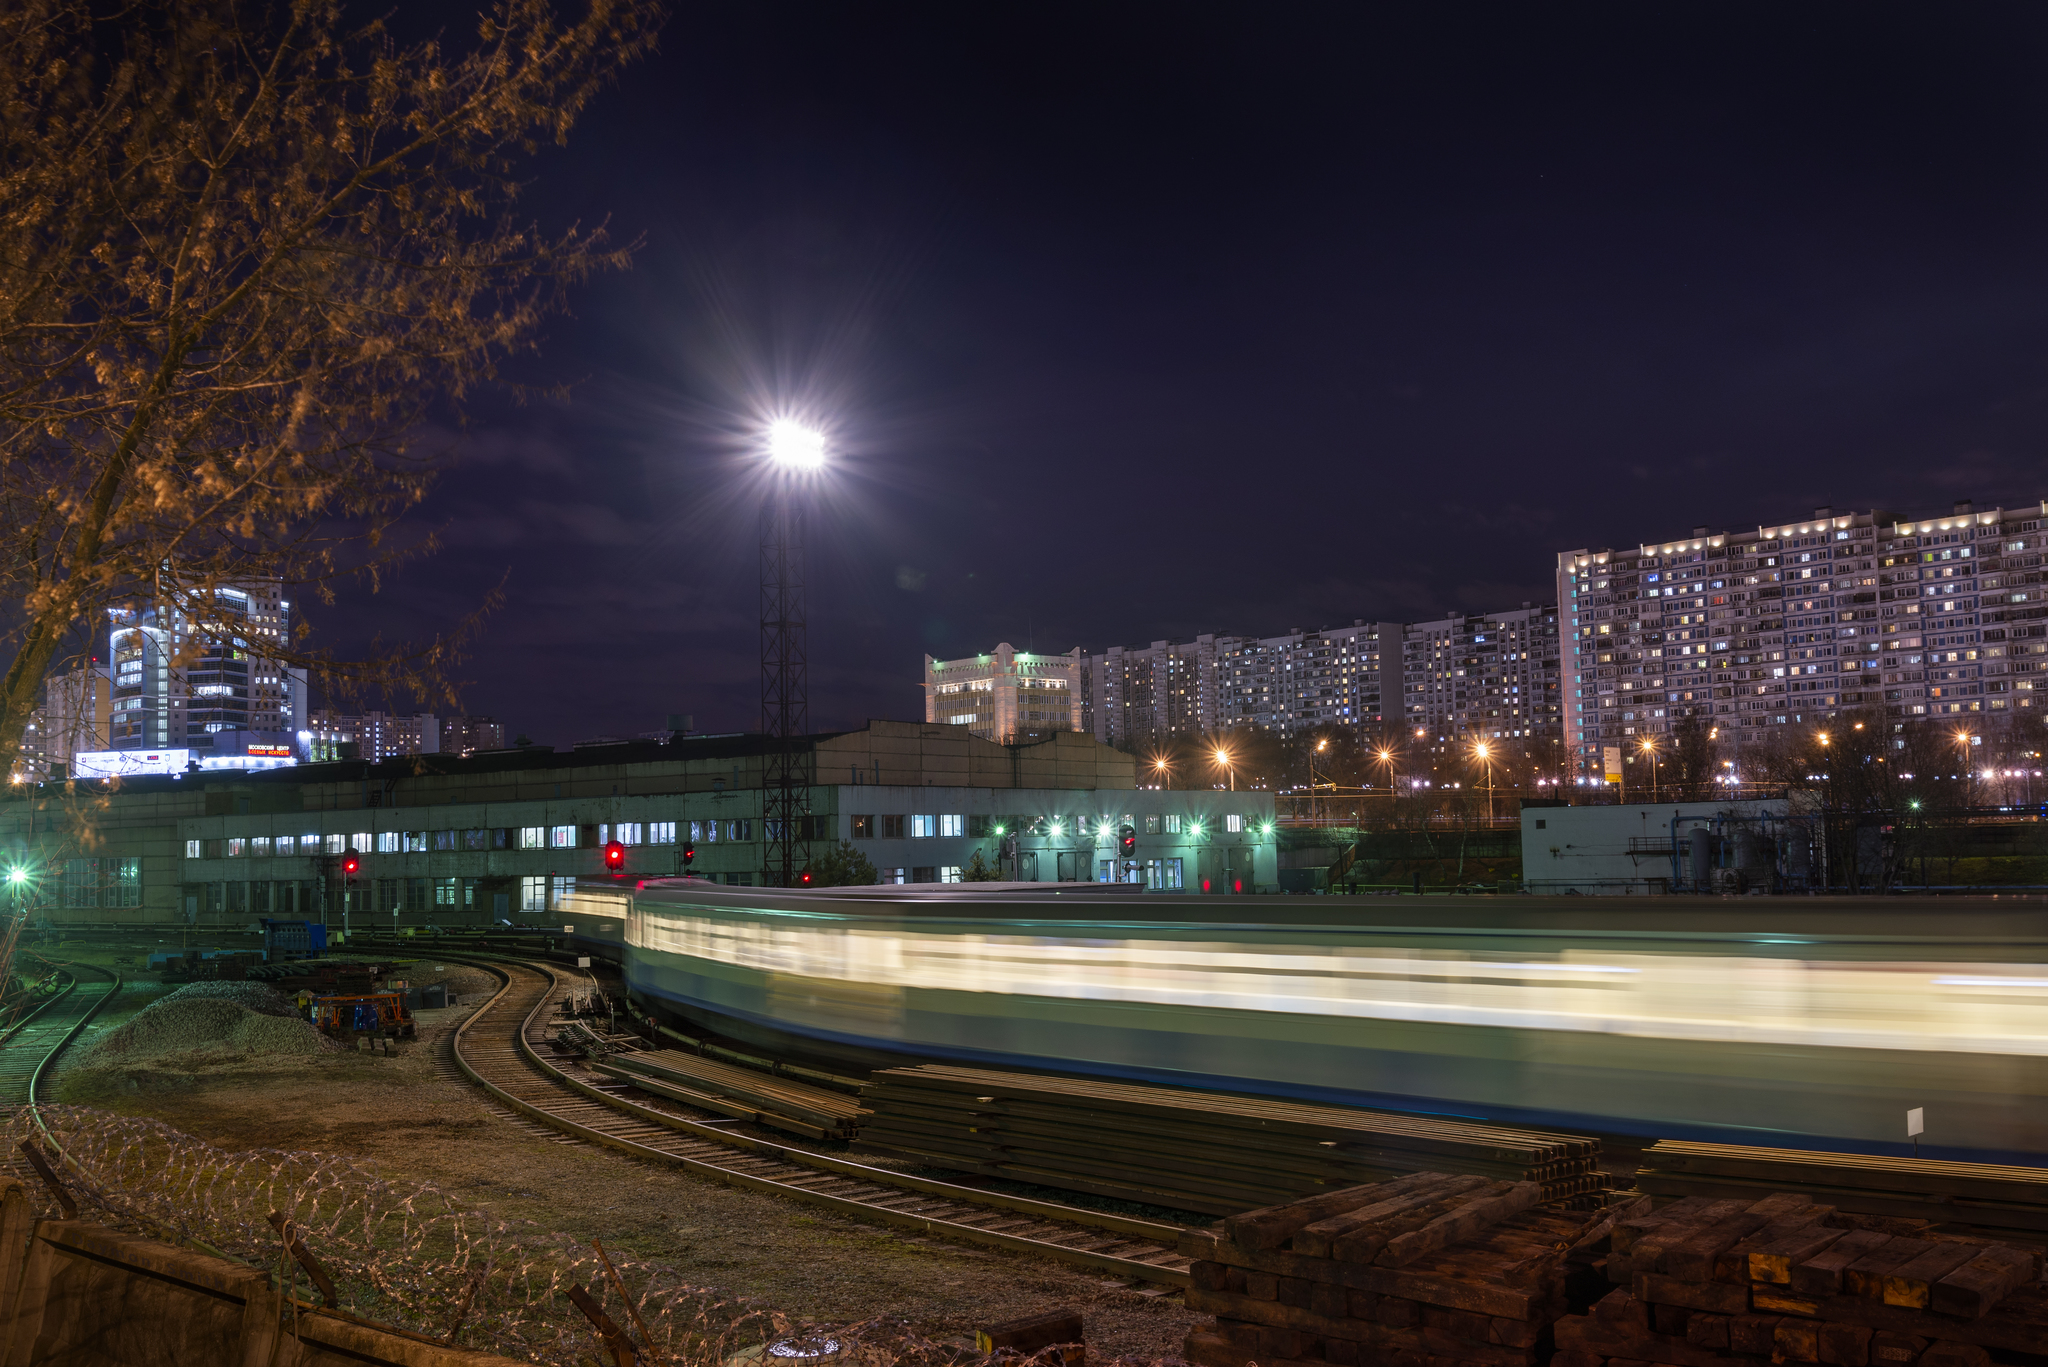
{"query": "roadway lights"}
[(17, 874), (794, 445)]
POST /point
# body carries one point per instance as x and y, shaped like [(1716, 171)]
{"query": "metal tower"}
[(785, 705)]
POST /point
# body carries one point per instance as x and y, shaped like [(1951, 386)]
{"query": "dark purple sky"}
[(1139, 322)]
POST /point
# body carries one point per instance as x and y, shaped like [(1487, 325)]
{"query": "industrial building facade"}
[(1926, 617), (445, 839)]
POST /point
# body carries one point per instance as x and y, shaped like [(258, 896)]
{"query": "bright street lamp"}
[(1223, 758), (794, 445)]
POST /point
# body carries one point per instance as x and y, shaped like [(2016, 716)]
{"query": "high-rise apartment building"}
[(180, 678), (1491, 677), (467, 735), (377, 735), (76, 716), (1461, 678), (1926, 616), (1009, 696)]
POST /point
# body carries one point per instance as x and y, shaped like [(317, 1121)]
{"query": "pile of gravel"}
[(209, 1018)]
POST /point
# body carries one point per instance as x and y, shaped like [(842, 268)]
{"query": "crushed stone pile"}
[(209, 1018)]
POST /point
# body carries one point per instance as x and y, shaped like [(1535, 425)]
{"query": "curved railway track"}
[(499, 1049), (31, 1049)]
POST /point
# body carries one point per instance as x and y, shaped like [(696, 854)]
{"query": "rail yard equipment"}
[(379, 1015)]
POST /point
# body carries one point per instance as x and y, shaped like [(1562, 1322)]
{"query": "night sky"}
[(1136, 323)]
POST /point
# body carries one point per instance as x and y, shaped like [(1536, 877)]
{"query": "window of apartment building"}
[(533, 837), (740, 828), (1233, 822), (413, 842), (863, 828), (892, 828), (661, 832), (924, 873), (389, 892), (234, 847), (560, 886), (387, 842), (625, 832), (706, 831), (893, 876), (476, 840), (923, 828), (448, 892), (259, 846), (949, 873), (953, 824), (562, 837), (1152, 823)]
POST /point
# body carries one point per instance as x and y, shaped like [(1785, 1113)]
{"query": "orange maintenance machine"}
[(380, 1015)]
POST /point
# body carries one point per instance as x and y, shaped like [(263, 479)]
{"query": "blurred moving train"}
[(1748, 1020)]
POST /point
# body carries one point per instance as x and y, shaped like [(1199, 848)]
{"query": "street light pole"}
[(785, 688)]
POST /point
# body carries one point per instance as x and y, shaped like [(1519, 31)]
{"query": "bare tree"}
[(241, 251)]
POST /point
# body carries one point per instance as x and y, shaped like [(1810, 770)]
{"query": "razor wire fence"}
[(416, 1257)]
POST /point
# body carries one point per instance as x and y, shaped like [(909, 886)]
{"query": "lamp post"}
[(1223, 759), (1485, 754), (794, 452), (1650, 749)]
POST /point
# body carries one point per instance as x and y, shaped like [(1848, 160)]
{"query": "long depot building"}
[(503, 835)]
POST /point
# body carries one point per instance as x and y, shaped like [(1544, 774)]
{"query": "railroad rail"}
[(496, 1049), (31, 1050)]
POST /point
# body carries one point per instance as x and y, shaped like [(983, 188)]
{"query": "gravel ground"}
[(206, 1020), (420, 1124)]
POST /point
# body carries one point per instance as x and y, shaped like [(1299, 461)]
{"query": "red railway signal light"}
[(614, 857), (1127, 841), (351, 862), (689, 853)]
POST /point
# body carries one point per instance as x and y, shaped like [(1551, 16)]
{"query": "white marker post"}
[(1916, 1125)]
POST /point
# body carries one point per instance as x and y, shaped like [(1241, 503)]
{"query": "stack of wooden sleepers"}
[(1200, 1151), (776, 1102), (1785, 1279), (2007, 1201), (1431, 1268)]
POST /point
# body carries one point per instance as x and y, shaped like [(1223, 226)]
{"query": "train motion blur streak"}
[(1755, 1020)]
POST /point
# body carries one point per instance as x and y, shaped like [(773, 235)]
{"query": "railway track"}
[(31, 1049), (499, 1048)]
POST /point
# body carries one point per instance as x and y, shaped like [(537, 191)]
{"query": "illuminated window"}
[(562, 837), (923, 827)]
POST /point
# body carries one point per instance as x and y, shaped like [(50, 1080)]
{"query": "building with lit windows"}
[(1486, 677), (1493, 675), (1008, 696), (1925, 616), (187, 675)]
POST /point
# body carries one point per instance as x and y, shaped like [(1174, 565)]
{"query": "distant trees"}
[(844, 866)]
